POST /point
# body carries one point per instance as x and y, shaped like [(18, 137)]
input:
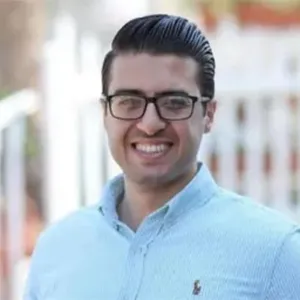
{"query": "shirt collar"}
[(196, 193)]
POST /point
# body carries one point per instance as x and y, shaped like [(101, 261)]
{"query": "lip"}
[(152, 142), (151, 157)]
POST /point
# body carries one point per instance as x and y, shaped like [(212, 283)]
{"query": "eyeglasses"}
[(169, 107)]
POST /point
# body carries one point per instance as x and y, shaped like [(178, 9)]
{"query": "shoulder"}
[(61, 245), (251, 209), (77, 220), (255, 219), (265, 236), (75, 228), (285, 275)]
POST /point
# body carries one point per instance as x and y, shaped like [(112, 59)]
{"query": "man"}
[(164, 230)]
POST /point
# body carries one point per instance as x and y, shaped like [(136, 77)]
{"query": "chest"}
[(193, 272), (165, 269)]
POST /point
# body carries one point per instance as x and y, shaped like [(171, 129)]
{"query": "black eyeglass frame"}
[(107, 100)]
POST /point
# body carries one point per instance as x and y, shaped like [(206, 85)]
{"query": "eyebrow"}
[(129, 91), (142, 93)]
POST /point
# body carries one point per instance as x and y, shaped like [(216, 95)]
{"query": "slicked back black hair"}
[(164, 34)]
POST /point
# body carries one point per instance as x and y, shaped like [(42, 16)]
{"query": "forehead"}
[(153, 73)]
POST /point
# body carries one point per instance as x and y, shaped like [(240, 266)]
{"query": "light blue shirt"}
[(205, 243)]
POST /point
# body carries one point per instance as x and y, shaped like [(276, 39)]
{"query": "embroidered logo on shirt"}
[(197, 287)]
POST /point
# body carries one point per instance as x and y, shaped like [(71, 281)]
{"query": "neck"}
[(140, 200)]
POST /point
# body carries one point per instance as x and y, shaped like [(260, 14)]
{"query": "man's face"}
[(150, 150)]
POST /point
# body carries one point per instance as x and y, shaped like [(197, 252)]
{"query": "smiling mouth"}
[(152, 150)]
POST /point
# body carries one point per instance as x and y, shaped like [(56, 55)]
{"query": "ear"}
[(211, 108)]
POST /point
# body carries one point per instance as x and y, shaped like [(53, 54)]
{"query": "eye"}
[(175, 102), (128, 101)]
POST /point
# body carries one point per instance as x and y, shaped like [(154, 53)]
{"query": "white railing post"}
[(60, 88), (91, 131), (297, 175), (279, 135), (254, 143), (1, 228), (227, 141), (93, 156), (15, 195), (13, 112)]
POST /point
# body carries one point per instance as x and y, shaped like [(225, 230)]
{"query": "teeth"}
[(151, 148)]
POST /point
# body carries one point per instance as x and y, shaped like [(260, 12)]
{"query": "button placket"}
[(139, 248), (134, 272)]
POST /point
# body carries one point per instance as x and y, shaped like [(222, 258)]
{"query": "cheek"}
[(116, 132), (189, 134), (184, 134)]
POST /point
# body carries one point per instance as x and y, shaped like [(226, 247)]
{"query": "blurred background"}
[(53, 152)]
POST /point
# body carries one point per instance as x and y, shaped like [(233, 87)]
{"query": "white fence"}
[(13, 113), (254, 148)]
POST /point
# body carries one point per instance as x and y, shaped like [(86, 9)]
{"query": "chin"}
[(152, 181), (154, 177)]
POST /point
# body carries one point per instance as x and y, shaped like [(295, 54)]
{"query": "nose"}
[(151, 123)]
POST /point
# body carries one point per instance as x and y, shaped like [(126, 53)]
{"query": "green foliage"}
[(32, 146), (188, 5), (4, 94)]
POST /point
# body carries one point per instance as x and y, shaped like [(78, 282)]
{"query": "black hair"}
[(164, 34)]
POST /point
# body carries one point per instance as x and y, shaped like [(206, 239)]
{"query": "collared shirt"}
[(205, 243)]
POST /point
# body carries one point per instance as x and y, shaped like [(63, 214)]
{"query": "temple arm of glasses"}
[(205, 99)]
